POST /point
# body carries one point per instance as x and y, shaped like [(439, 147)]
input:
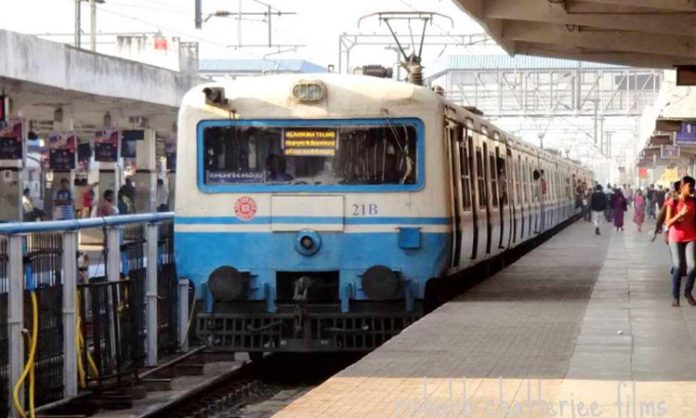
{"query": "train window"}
[(480, 179), (493, 171), (465, 165), (317, 155)]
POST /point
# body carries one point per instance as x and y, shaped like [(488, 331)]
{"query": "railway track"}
[(199, 384), (253, 383)]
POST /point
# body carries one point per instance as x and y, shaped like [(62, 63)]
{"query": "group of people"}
[(674, 212), (610, 205), (64, 202)]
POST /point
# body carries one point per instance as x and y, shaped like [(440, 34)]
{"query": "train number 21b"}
[(369, 209)]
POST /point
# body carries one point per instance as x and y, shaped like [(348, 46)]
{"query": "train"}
[(314, 212)]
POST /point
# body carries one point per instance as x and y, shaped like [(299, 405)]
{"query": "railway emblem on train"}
[(245, 208)]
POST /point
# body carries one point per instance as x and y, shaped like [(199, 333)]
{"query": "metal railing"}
[(130, 310)]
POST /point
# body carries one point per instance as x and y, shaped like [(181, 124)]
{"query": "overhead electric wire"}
[(179, 32)]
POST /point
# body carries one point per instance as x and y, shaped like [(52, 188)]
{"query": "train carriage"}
[(313, 212)]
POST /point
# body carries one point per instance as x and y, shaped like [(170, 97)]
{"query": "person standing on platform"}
[(630, 195), (586, 202), (609, 210), (125, 204), (31, 214), (87, 201), (639, 209), (162, 197), (108, 206), (681, 221), (129, 190), (650, 201), (63, 202), (598, 203), (660, 197), (620, 206), (660, 221)]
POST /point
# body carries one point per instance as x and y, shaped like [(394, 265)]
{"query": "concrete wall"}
[(30, 59)]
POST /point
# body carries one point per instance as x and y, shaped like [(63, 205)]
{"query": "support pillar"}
[(151, 236), (70, 273), (62, 122), (146, 173), (183, 313), (12, 178), (15, 320)]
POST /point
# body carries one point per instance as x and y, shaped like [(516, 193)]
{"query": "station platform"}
[(580, 326)]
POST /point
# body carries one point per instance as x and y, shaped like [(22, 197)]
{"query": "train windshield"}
[(310, 155)]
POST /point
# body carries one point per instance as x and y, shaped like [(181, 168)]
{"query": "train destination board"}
[(310, 142)]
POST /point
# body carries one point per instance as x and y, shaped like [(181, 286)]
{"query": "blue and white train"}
[(312, 211)]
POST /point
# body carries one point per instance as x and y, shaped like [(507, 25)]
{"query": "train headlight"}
[(305, 91), (381, 283), (227, 283)]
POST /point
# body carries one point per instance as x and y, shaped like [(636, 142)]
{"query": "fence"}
[(167, 288), (128, 313), (4, 386)]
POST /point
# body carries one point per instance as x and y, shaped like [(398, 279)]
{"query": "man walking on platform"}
[(598, 203), (651, 201)]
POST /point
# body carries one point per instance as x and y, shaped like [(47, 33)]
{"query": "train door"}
[(482, 215), (503, 197), (519, 198), (495, 219), (513, 192), (535, 190), (453, 133), (509, 192), (528, 199), (468, 215)]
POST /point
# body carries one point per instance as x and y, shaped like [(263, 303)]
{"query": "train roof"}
[(379, 93), (276, 89)]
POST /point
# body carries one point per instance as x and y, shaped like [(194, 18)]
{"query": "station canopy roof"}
[(642, 33)]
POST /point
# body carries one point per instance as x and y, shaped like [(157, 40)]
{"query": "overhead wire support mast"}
[(412, 62), (268, 14)]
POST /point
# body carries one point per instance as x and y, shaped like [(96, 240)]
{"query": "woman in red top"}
[(681, 222)]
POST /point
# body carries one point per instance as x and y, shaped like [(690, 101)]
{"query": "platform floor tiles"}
[(582, 326)]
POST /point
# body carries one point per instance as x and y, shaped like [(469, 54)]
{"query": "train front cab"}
[(291, 277)]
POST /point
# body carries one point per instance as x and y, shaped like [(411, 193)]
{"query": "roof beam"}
[(678, 5), (538, 11), (494, 27), (602, 41), (616, 57)]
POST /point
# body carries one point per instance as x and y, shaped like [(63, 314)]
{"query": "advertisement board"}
[(62, 151), (11, 147), (686, 134), (106, 145)]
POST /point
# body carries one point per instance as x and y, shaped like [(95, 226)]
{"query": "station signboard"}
[(669, 152), (106, 145), (11, 147), (62, 151), (686, 134)]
